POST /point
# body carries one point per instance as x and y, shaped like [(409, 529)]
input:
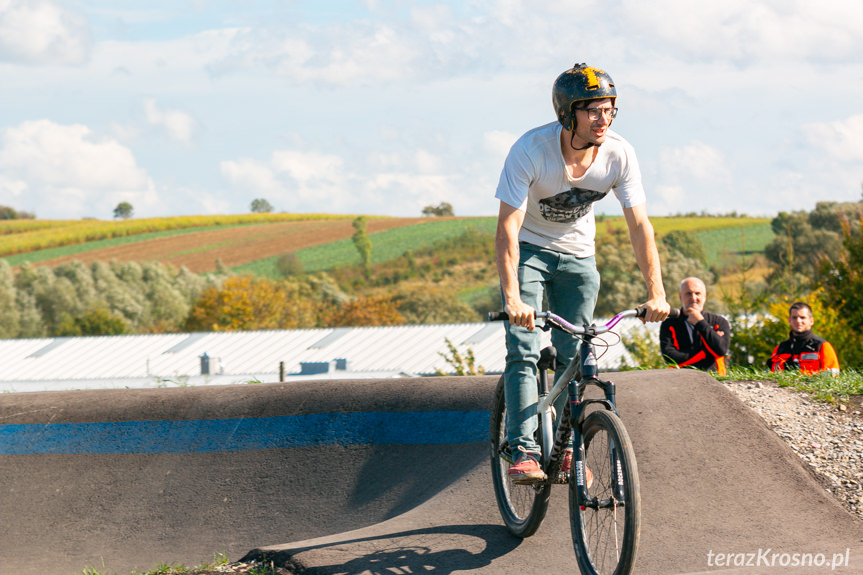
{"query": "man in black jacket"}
[(803, 350), (695, 338)]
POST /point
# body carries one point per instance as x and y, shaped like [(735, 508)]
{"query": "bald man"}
[(695, 338)]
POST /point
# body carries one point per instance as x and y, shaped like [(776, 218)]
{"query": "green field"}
[(386, 246), (722, 245)]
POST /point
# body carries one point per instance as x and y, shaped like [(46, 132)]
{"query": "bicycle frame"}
[(575, 387)]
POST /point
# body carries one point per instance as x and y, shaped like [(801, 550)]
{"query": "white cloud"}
[(41, 32), (696, 162), (420, 44), (692, 178), (11, 191), (70, 172), (428, 43), (843, 141), (428, 163), (746, 31), (250, 174), (307, 167), (498, 143), (313, 181), (179, 125)]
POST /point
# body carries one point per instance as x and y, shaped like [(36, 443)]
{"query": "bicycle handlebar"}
[(561, 323)]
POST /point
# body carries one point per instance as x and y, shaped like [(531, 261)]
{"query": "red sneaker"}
[(566, 467), (566, 464), (526, 469)]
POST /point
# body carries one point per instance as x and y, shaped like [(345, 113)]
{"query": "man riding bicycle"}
[(545, 239)]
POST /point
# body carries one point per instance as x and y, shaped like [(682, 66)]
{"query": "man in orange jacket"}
[(695, 338), (803, 350)]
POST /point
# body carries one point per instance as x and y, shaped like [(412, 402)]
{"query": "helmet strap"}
[(572, 138)]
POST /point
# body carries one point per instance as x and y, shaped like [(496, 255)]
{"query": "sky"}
[(384, 107)]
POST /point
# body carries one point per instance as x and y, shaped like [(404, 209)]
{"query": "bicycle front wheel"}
[(606, 525), (522, 507)]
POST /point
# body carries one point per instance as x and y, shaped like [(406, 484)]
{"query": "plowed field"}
[(235, 246)]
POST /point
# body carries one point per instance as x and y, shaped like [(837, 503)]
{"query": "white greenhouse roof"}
[(101, 362)]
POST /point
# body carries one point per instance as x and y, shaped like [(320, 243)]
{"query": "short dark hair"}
[(800, 305)]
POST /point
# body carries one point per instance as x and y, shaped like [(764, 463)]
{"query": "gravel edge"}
[(828, 437)]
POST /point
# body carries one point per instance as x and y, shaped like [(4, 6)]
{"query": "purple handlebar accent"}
[(599, 329)]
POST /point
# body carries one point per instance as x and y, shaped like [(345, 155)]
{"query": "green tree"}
[(440, 210), (124, 211), (426, 305), (30, 323), (622, 285), (261, 206), (362, 242), (9, 313), (7, 213), (120, 286), (686, 244), (97, 321), (167, 305), (799, 248)]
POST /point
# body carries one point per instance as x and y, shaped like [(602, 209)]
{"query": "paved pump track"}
[(387, 476)]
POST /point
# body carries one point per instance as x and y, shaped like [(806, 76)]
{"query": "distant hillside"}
[(236, 241), (252, 243)]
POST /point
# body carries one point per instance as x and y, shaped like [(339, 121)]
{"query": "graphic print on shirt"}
[(569, 206)]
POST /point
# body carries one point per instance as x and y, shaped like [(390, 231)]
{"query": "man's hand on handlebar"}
[(657, 309), (520, 314)]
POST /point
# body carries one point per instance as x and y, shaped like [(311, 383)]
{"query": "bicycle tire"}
[(606, 535), (522, 507)]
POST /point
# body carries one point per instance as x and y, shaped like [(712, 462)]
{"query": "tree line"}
[(815, 257), (420, 287)]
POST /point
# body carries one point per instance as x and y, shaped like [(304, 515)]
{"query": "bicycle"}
[(605, 513)]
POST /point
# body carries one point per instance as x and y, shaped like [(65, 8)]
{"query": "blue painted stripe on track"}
[(217, 435)]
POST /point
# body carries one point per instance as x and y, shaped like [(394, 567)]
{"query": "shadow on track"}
[(474, 547)]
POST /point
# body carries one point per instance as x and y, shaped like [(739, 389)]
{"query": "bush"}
[(289, 265), (97, 321)]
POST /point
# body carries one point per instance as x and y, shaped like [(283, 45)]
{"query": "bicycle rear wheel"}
[(522, 507), (606, 526)]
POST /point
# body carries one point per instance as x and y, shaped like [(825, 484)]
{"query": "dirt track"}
[(377, 477)]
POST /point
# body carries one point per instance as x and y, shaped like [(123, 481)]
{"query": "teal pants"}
[(570, 285)]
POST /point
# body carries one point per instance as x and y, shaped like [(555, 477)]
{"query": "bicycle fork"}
[(577, 405)]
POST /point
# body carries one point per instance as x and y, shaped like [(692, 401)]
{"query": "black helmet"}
[(581, 83)]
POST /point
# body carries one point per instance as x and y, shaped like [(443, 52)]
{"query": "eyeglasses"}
[(594, 113)]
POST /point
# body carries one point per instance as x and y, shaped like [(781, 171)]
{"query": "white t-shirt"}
[(559, 209)]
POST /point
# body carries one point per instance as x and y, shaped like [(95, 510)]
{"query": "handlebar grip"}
[(642, 311), (498, 316)]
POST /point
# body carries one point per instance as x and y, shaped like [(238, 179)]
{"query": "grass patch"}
[(253, 568), (822, 386), (746, 240), (386, 246)]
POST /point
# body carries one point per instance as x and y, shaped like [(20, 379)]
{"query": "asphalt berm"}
[(386, 476)]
